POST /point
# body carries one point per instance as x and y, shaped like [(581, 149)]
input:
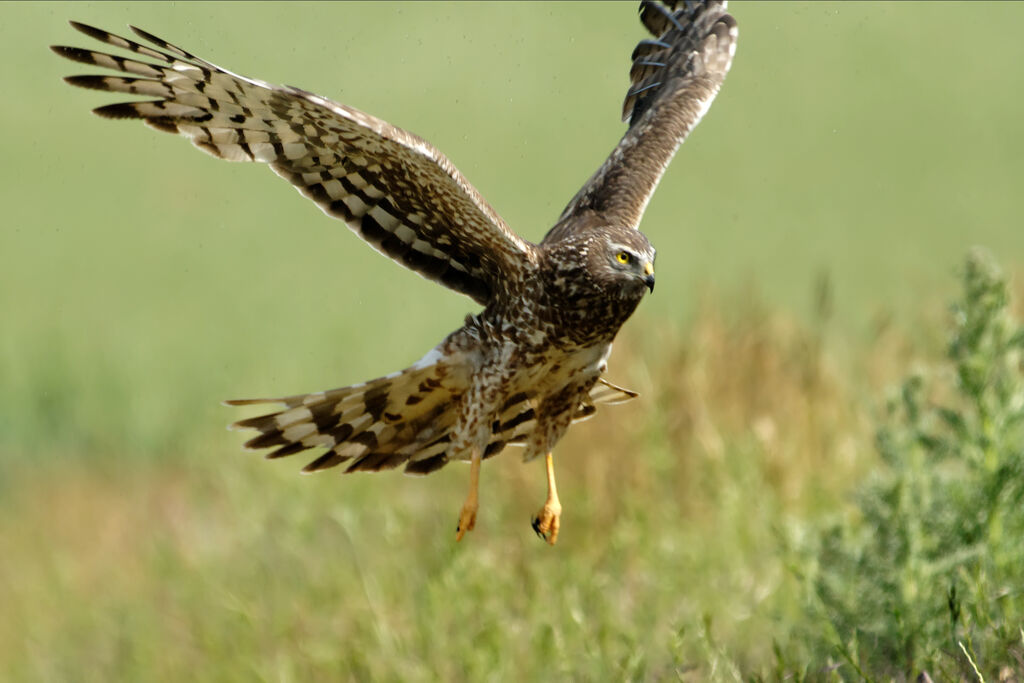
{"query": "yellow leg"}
[(546, 522), (467, 516)]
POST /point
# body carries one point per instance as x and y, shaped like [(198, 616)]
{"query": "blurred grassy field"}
[(865, 145)]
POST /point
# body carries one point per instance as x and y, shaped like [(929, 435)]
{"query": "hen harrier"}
[(530, 363)]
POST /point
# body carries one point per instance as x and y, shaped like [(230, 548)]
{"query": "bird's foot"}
[(467, 519), (547, 521)]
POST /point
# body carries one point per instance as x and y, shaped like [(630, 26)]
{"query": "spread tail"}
[(403, 418)]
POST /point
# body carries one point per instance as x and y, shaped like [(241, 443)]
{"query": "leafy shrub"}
[(927, 574)]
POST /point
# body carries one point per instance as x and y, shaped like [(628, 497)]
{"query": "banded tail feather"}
[(403, 418)]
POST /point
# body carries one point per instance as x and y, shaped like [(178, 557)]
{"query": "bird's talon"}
[(467, 520), (536, 527), (546, 523)]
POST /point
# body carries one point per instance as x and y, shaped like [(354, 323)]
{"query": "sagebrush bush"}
[(927, 573)]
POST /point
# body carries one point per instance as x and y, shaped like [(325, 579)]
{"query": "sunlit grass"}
[(238, 565), (669, 538), (695, 542)]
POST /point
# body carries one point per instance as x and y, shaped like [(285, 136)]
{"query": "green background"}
[(141, 282)]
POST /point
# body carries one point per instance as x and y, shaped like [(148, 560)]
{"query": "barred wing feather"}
[(391, 187), (674, 79)]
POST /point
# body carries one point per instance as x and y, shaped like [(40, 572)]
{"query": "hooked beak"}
[(649, 272)]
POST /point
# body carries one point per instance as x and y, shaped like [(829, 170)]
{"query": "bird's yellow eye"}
[(623, 257)]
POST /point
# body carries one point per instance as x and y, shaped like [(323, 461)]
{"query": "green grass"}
[(725, 526)]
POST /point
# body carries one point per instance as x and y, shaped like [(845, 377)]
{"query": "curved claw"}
[(536, 528), (547, 522)]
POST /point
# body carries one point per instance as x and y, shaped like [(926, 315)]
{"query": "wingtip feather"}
[(119, 110), (232, 402), (91, 31), (89, 82), (75, 54)]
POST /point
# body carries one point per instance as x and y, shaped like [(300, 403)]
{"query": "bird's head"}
[(624, 260), (599, 261)]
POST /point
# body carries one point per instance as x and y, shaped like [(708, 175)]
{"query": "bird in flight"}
[(530, 363)]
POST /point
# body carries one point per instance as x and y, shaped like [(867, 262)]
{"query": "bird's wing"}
[(391, 187), (674, 78)]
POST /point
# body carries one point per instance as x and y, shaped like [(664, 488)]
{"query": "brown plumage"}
[(530, 363)]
